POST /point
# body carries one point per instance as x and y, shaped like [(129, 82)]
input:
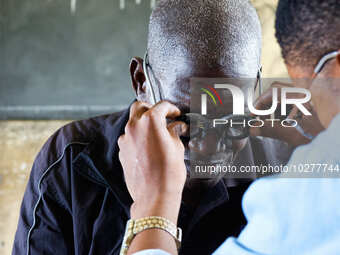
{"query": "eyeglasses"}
[(323, 62), (147, 66), (234, 127), (199, 124)]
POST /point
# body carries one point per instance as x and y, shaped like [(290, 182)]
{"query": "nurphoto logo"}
[(239, 103)]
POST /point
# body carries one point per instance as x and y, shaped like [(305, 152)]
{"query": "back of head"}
[(307, 29), (222, 34)]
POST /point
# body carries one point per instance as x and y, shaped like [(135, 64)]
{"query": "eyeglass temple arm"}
[(259, 77), (145, 66), (324, 59)]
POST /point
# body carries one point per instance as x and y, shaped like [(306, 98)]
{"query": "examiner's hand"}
[(152, 156), (310, 124)]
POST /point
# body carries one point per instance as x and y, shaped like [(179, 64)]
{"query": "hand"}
[(152, 156), (326, 99), (310, 124)]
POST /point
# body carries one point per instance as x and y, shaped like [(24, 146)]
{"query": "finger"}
[(309, 107), (264, 100), (293, 113), (138, 108), (279, 84), (163, 110), (178, 128), (266, 97)]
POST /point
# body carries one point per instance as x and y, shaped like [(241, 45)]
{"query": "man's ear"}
[(137, 77)]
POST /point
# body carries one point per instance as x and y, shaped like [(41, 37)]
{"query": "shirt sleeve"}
[(294, 215), (45, 224)]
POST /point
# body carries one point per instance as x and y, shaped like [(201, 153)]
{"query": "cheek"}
[(181, 100), (238, 145), (177, 93)]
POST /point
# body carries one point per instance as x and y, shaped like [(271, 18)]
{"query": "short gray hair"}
[(224, 34)]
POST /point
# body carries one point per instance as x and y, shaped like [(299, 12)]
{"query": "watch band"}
[(133, 227)]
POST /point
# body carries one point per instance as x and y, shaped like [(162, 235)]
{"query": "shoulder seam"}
[(40, 194)]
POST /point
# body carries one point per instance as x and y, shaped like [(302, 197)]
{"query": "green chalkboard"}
[(68, 59)]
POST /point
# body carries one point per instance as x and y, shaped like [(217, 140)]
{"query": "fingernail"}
[(184, 128)]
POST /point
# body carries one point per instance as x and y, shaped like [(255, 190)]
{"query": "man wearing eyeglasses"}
[(285, 215), (77, 201)]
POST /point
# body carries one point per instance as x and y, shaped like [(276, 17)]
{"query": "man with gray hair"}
[(298, 212), (77, 201)]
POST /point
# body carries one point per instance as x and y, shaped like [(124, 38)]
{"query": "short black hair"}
[(307, 29)]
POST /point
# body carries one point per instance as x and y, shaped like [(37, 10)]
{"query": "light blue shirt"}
[(288, 216)]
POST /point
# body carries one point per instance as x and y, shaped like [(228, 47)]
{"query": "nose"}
[(209, 143)]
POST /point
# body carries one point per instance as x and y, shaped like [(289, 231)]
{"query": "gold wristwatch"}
[(133, 227)]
